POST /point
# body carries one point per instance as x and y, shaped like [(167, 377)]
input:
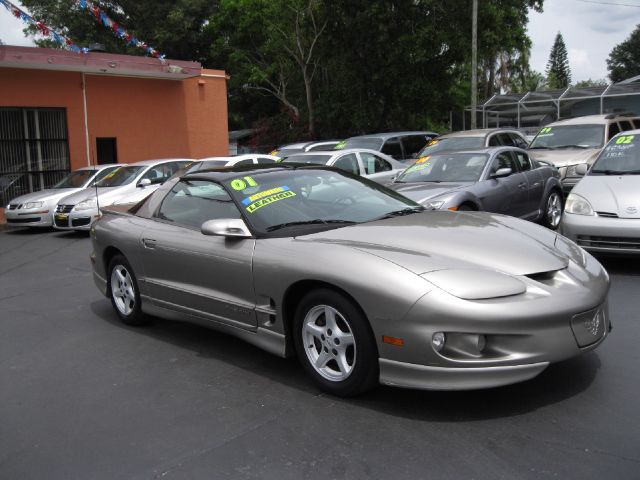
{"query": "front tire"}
[(334, 344), (552, 214), (124, 293)]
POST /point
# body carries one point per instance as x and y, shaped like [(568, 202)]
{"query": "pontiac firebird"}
[(359, 282)]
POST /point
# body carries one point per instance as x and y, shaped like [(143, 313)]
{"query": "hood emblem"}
[(631, 210)]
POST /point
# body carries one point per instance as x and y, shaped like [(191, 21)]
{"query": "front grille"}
[(607, 214), (623, 243), (80, 222), (64, 208), (24, 220), (13, 206)]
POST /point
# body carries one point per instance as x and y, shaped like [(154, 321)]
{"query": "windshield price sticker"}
[(417, 167), (340, 145), (266, 193), (423, 159), (625, 139), (242, 183), (545, 132), (269, 200), (432, 142)]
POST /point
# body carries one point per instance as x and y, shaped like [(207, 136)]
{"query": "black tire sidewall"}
[(364, 375), (136, 317)]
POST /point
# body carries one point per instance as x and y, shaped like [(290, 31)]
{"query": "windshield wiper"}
[(400, 213), (317, 221), (617, 172), (541, 148), (573, 146)]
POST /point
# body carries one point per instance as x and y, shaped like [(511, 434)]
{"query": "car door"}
[(376, 168), (535, 183), (207, 276), (506, 195)]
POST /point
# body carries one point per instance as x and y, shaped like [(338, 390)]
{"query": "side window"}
[(374, 164), (161, 173), (503, 160), (636, 123), (349, 163), (247, 161), (614, 129), (506, 139), (192, 202), (392, 148), (625, 125), (523, 161), (494, 141), (413, 144), (518, 141), (265, 160)]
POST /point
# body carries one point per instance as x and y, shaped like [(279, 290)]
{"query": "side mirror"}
[(145, 182), (226, 227), (501, 172), (582, 169)]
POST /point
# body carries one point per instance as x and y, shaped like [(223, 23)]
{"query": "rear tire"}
[(552, 213), (124, 293), (334, 344)]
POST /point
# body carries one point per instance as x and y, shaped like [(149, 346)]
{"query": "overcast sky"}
[(590, 29)]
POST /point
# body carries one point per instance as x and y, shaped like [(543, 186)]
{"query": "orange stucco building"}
[(61, 110)]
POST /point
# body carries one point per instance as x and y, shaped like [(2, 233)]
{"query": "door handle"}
[(522, 185), (149, 243)]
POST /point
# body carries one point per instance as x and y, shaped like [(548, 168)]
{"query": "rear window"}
[(374, 143)]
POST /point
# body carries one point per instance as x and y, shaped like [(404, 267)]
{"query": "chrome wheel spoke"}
[(323, 358), (343, 365)]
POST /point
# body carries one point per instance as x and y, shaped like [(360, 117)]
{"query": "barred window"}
[(34, 150)]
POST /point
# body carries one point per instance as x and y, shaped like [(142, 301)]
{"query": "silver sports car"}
[(359, 282), (602, 213), (499, 179)]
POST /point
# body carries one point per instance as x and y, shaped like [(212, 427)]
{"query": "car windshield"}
[(286, 199), (374, 143), (569, 136), (317, 159), (75, 179), (620, 157), (121, 176), (452, 167), (451, 143)]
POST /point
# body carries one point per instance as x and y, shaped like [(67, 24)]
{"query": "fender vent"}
[(607, 214)]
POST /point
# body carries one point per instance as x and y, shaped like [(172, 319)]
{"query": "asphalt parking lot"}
[(85, 397)]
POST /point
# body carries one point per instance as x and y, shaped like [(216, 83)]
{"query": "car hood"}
[(430, 241), (566, 157), (619, 194), (50, 194), (423, 191)]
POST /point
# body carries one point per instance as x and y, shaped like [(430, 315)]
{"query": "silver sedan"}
[(500, 180), (602, 213), (359, 282)]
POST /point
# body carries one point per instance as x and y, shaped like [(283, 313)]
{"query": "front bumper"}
[(73, 220), (603, 234), (36, 217)]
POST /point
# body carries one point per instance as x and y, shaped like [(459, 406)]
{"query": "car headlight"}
[(577, 205), (32, 205), (434, 205), (478, 284), (87, 204)]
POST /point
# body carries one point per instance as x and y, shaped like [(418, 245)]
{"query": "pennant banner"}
[(42, 28), (97, 13), (118, 30)]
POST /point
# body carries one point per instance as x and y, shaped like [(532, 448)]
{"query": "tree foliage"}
[(624, 59), (558, 71), (330, 68)]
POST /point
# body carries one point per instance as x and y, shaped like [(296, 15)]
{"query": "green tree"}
[(558, 71), (591, 83), (624, 59)]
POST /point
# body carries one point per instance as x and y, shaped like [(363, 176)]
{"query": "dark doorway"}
[(107, 150)]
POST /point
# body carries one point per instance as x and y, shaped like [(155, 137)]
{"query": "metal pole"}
[(474, 63)]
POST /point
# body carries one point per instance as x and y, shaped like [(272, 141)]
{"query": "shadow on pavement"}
[(557, 383)]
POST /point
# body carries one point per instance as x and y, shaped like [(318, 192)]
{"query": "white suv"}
[(569, 143)]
